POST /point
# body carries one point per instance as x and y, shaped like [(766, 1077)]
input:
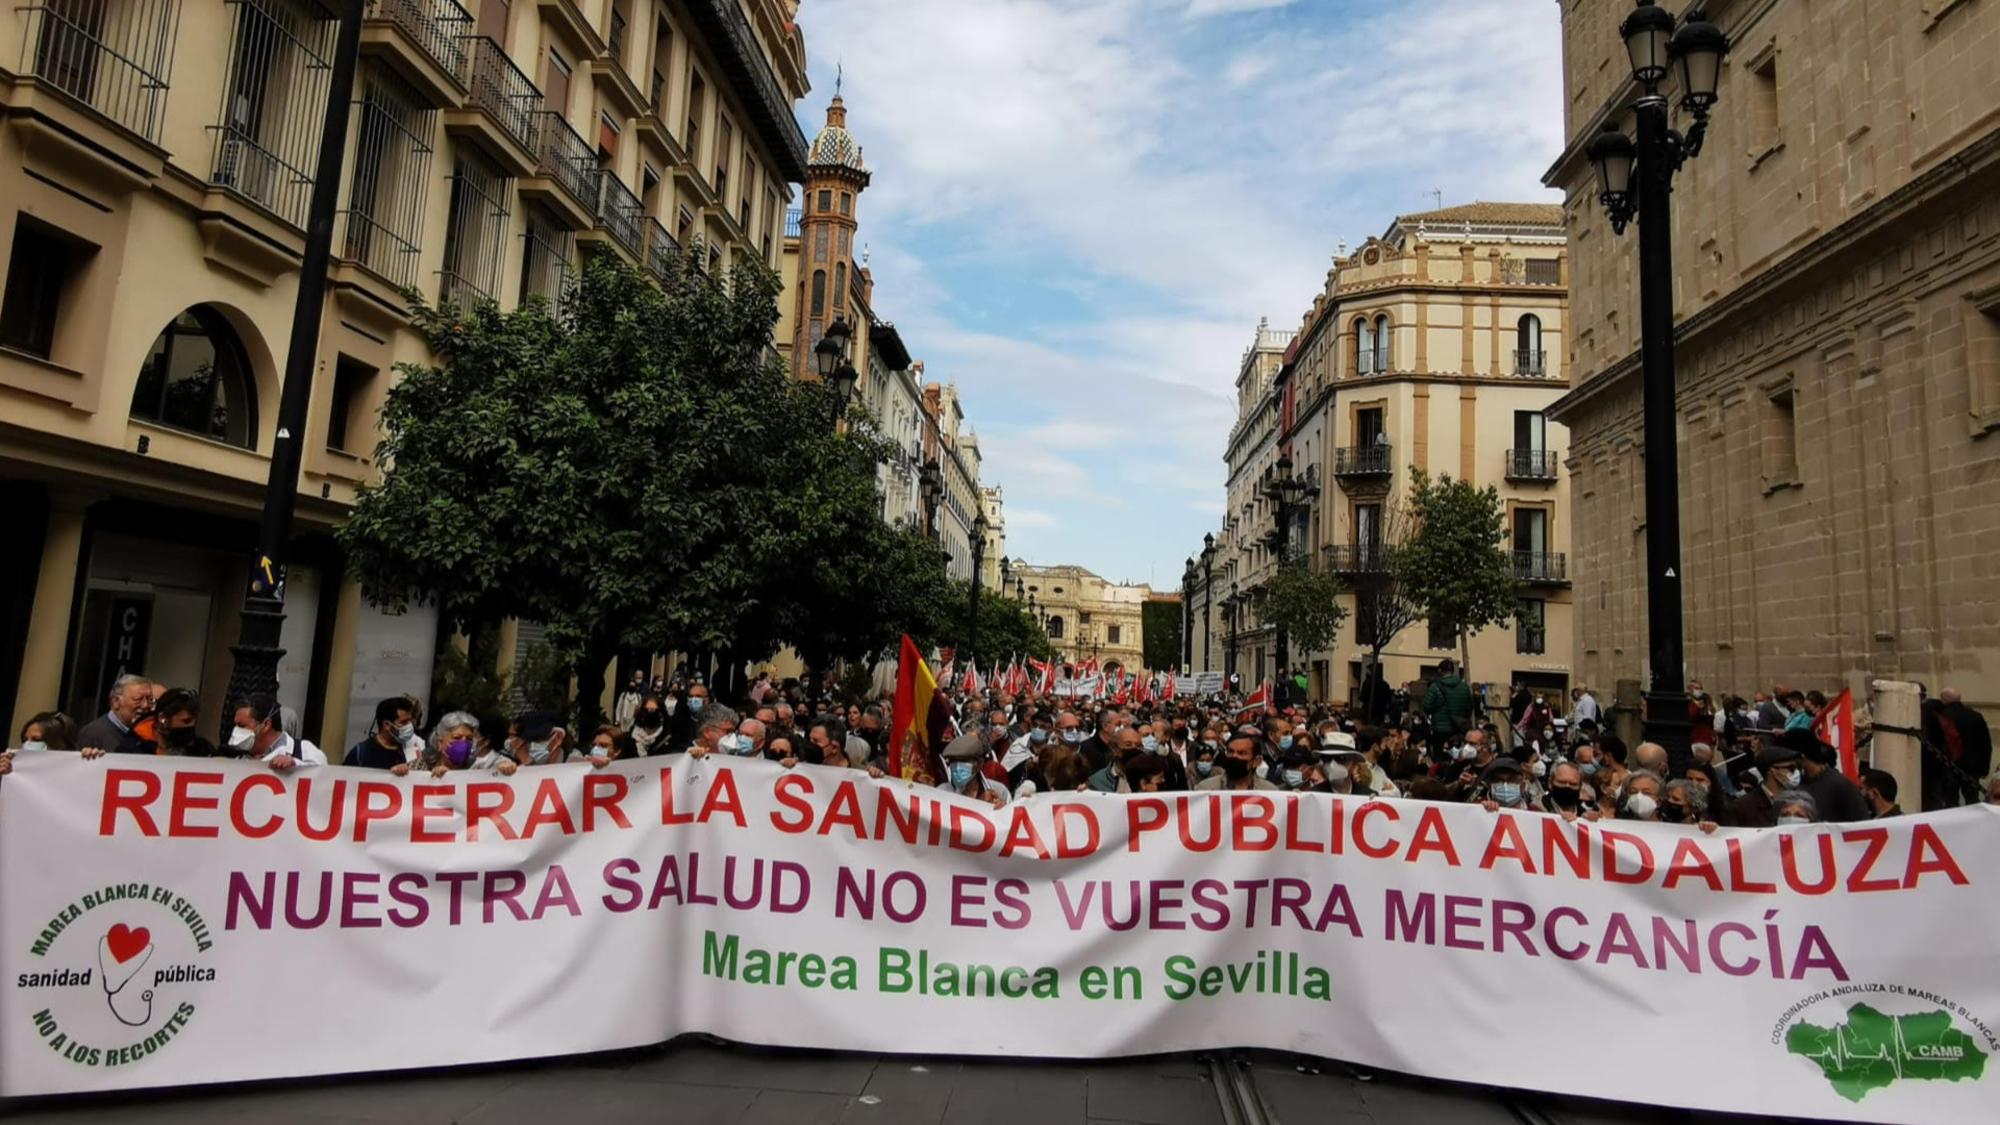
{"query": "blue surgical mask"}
[(1285, 743), (695, 702), (34, 744), (538, 753), (1073, 736), (1149, 743), (1294, 779), (1588, 769), (961, 774), (1204, 766), (1505, 792), (1038, 737)]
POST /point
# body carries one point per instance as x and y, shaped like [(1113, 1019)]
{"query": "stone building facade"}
[(1837, 292), (1086, 616)]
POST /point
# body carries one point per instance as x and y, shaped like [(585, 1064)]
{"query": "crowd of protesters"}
[(1755, 763)]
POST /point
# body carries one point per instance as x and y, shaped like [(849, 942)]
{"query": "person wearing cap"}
[(1779, 772), (963, 757), (1342, 751), (1237, 766), (540, 738), (1501, 782), (382, 749)]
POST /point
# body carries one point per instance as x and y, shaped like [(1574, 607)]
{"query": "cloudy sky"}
[(1082, 207)]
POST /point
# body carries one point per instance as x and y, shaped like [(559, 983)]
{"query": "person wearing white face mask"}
[(1795, 807), (259, 734), (383, 748), (1778, 767)]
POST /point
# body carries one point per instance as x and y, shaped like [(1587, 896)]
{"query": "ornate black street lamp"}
[(1207, 601), (1187, 614), (830, 356), (979, 529), (930, 481), (1285, 491), (1635, 179)]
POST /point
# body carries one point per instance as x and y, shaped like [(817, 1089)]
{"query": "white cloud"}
[(1080, 210), (1028, 517), (1199, 8)]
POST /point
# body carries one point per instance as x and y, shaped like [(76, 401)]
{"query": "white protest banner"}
[(169, 921), (1205, 683)]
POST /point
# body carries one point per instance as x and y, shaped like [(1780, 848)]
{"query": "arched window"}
[(1528, 345), (1056, 627), (1382, 355), (196, 377), (839, 284), (819, 293), (1364, 347)]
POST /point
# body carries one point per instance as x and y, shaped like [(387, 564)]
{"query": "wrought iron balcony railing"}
[(566, 158), (1358, 558), (1541, 567), (623, 217), (439, 27), (1530, 361), (1375, 460), (1532, 464), (113, 58), (661, 250), (502, 92)]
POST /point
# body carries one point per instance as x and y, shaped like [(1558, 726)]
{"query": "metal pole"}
[(257, 650), (1666, 696), (972, 615), (1207, 611), (1283, 644)]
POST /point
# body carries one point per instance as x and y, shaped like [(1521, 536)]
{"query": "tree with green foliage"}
[(635, 471), (1305, 603), (1453, 564), (1160, 634)]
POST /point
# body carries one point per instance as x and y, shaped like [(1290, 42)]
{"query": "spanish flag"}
[(920, 722)]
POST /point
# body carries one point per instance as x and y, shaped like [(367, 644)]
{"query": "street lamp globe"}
[(1697, 50), (1646, 32), (1615, 155), (829, 353), (844, 379)]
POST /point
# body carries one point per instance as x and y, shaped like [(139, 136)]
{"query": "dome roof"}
[(834, 145)]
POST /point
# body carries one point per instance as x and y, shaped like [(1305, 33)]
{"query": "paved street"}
[(699, 1082)]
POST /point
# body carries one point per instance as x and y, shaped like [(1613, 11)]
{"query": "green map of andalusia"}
[(1871, 1050)]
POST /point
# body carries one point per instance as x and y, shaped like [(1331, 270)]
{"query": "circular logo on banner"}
[(115, 975), (1867, 1037)]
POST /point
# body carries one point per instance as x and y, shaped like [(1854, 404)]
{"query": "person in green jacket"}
[(1448, 703)]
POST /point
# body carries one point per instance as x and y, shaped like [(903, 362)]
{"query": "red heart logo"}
[(126, 943)]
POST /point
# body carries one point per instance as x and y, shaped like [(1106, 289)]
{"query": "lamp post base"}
[(257, 651)]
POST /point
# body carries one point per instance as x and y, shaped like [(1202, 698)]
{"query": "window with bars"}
[(1441, 634), (273, 100), (474, 228), (546, 247), (391, 169), (112, 57)]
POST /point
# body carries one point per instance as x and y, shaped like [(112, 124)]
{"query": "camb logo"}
[(1867, 1037), (119, 973)]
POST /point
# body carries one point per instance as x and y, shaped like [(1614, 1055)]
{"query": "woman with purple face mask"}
[(451, 744)]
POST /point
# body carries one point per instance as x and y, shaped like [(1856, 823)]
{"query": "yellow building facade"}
[(1086, 617), (155, 166)]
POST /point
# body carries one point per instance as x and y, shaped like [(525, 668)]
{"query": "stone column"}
[(1897, 706), (48, 627)]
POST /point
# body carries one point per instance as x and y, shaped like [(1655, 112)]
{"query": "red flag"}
[(1834, 725), (1167, 689), (918, 721), (971, 677), (1260, 700)]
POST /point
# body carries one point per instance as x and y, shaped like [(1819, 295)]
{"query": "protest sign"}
[(168, 921)]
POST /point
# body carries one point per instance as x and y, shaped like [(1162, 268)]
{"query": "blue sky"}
[(1082, 207)]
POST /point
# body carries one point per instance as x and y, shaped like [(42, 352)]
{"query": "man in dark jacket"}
[(383, 748), (1839, 800), (1448, 703), (112, 731)]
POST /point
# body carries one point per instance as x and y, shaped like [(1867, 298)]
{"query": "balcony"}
[(1531, 362), (502, 108), (1364, 462), (566, 174), (111, 58), (1530, 641), (621, 216), (729, 36), (651, 126), (661, 250), (424, 41), (1542, 568), (1361, 558), (1537, 466)]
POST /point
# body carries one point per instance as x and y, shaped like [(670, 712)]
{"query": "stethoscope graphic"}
[(123, 972)]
